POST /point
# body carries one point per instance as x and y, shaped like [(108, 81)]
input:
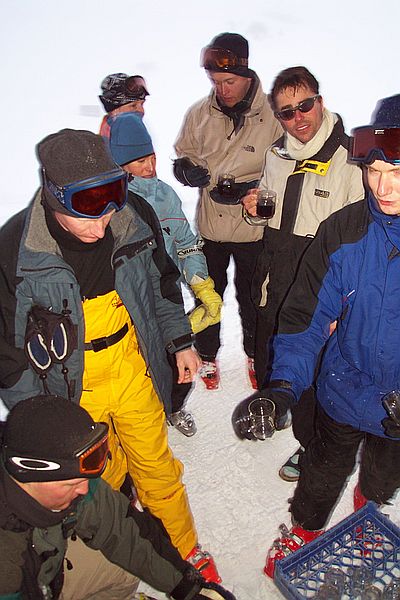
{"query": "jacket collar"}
[(390, 224)]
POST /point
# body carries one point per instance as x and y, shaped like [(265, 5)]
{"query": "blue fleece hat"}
[(129, 138), (387, 113)]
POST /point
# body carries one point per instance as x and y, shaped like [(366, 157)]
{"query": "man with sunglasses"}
[(307, 168), (349, 274), (227, 132), (64, 533), (121, 93), (82, 252)]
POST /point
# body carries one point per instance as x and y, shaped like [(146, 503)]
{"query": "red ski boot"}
[(290, 541), (204, 563), (209, 372), (359, 500), (252, 373)]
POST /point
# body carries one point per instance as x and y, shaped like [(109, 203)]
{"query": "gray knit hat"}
[(72, 155)]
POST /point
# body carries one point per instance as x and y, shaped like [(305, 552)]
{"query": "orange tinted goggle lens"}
[(94, 201), (93, 460), (367, 140), (220, 58)]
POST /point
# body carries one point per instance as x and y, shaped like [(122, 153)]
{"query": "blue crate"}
[(366, 537)]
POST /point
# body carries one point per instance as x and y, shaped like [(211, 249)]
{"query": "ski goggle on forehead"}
[(369, 143), (135, 87), (94, 197), (220, 58), (88, 461), (287, 114)]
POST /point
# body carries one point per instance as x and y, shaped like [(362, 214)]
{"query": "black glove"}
[(187, 173), (391, 429), (213, 591), (192, 581), (235, 193), (283, 400)]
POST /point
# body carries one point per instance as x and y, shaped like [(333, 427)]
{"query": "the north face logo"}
[(249, 148)]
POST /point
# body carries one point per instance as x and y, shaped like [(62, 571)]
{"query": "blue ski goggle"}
[(93, 197)]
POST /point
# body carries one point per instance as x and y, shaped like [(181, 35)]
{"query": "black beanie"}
[(72, 155), (238, 45), (49, 428)]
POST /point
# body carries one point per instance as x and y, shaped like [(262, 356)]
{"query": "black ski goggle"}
[(221, 59)]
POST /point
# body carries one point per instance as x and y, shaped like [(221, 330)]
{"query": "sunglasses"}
[(88, 461), (287, 114), (368, 142), (94, 197), (220, 58)]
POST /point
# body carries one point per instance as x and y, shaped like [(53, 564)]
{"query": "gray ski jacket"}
[(33, 272)]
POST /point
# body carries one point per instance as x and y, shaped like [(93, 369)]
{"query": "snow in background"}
[(55, 55)]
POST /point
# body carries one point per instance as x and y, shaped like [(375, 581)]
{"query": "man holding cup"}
[(221, 149), (307, 173), (349, 274)]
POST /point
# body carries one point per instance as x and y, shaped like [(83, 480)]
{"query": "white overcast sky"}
[(55, 54)]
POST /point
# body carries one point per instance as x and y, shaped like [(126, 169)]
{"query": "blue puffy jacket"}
[(350, 273)]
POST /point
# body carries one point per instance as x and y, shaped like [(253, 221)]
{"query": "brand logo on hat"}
[(33, 464)]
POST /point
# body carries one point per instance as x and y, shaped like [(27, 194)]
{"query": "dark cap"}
[(387, 113), (120, 89), (49, 429), (72, 155), (239, 46)]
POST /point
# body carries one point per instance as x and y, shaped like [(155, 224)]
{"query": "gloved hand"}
[(236, 192), (209, 311), (243, 423), (391, 429), (213, 591), (187, 173), (192, 581)]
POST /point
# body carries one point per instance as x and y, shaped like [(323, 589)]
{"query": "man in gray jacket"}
[(56, 511), (226, 133)]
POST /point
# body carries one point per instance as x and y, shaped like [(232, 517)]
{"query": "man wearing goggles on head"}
[(121, 93), (81, 253), (227, 132), (308, 169), (349, 274), (56, 512)]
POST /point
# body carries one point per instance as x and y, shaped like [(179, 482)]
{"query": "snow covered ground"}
[(56, 55), (238, 499)]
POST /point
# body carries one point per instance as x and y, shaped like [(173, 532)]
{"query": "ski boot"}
[(290, 471), (252, 373), (209, 372), (204, 563), (290, 541), (359, 500), (183, 421)]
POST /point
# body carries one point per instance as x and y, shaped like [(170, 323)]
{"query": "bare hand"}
[(188, 363), (249, 201)]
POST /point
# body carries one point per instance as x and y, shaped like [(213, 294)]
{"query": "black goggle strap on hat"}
[(372, 143), (49, 338), (221, 59), (88, 461)]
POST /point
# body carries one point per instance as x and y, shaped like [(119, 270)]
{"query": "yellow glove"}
[(209, 311)]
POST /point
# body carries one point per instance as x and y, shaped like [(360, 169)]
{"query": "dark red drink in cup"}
[(266, 202)]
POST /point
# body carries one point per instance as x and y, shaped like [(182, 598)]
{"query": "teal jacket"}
[(183, 246)]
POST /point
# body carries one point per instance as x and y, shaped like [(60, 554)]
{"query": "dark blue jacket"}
[(350, 273)]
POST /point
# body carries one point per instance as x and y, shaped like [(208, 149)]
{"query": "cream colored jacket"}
[(207, 138)]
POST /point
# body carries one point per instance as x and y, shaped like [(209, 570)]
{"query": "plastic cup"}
[(262, 413), (266, 202)]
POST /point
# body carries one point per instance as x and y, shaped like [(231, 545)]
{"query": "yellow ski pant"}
[(117, 390)]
